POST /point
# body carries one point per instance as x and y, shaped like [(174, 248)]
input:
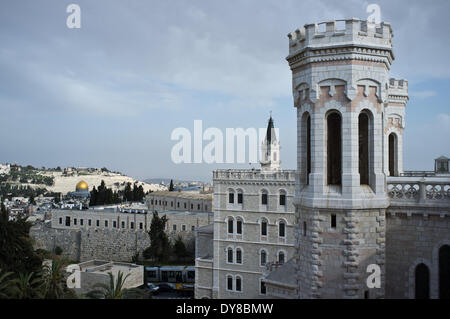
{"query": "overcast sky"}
[(110, 94)]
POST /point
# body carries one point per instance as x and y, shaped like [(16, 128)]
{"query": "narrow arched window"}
[(308, 148), (444, 272), (238, 256), (263, 260), (282, 229), (363, 128), (393, 169), (281, 257), (422, 282), (264, 198), (238, 283), (239, 227), (264, 227), (230, 255), (240, 197), (334, 146), (230, 225), (230, 196)]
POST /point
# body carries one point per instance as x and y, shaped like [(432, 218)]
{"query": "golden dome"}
[(82, 185)]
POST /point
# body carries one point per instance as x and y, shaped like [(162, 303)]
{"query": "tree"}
[(16, 249), (171, 189), (179, 248), (6, 284), (54, 282), (159, 242), (115, 290), (27, 286)]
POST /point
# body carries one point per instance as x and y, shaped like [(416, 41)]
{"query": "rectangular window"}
[(106, 223), (114, 224), (81, 222), (206, 208), (333, 221), (74, 221), (89, 222), (240, 198), (152, 201), (98, 223), (192, 206), (282, 200), (171, 204), (60, 220), (123, 224), (178, 204), (192, 228), (67, 220), (264, 199), (185, 205), (132, 225), (174, 227), (231, 198), (230, 283), (198, 206), (141, 226), (304, 228), (183, 227)]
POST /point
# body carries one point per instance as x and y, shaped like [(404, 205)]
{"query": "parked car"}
[(166, 287), (153, 288)]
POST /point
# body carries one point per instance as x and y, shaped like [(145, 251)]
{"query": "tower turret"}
[(341, 90)]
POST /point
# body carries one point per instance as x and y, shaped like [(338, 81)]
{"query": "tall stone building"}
[(362, 227), (351, 204), (253, 226)]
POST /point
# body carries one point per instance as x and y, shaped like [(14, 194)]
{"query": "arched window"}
[(230, 225), (308, 148), (422, 282), (264, 227), (238, 256), (363, 127), (263, 258), (334, 147), (230, 196), (240, 196), (281, 258), (238, 283), (393, 149), (282, 198), (282, 229), (229, 282), (239, 226), (444, 272), (264, 197), (230, 255)]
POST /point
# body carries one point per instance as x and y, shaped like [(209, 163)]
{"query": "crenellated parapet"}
[(341, 40), (398, 92)]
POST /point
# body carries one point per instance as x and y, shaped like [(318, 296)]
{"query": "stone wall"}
[(88, 244), (413, 238)]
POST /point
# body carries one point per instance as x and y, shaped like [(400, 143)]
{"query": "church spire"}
[(270, 150)]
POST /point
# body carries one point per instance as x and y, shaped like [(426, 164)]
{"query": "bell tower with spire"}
[(270, 149)]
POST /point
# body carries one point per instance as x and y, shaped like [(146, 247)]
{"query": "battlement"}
[(398, 87), (341, 32)]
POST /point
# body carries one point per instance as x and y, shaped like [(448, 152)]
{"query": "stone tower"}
[(270, 150), (340, 78)]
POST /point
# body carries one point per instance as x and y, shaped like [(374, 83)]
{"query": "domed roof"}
[(82, 185)]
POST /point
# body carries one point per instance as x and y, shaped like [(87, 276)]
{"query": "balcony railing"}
[(419, 190)]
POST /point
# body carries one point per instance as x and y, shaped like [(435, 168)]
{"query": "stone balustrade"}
[(419, 190), (281, 175)]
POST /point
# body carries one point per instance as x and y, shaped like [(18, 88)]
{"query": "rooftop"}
[(189, 195)]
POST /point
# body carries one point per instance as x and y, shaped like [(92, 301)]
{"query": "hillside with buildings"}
[(64, 180)]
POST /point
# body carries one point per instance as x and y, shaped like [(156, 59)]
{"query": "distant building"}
[(95, 272), (179, 201)]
